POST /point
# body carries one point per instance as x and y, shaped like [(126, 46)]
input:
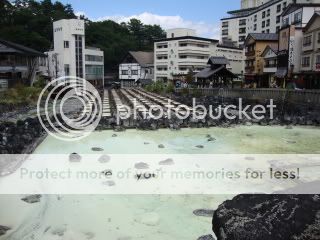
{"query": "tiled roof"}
[(218, 61), (143, 58), (22, 49), (264, 36)]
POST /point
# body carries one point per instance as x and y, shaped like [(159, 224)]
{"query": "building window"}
[(242, 30), (285, 22), (307, 41), (305, 61), (318, 37), (277, 29), (268, 22), (297, 18), (134, 72), (67, 70), (79, 55), (268, 31), (160, 46), (94, 72), (284, 5), (94, 58), (263, 24), (255, 18), (255, 27), (268, 13), (66, 44), (242, 22), (278, 19), (172, 35), (225, 24), (242, 38), (278, 8), (124, 72), (263, 14), (225, 32), (318, 59)]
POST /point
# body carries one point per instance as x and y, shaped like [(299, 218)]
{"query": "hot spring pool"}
[(146, 217)]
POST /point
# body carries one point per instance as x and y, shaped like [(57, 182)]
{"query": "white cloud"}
[(78, 14), (203, 29)]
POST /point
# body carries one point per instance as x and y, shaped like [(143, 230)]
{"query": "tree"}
[(190, 76), (29, 22)]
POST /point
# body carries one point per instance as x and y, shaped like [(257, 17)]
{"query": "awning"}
[(281, 72)]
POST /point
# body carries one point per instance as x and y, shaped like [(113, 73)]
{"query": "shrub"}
[(20, 95), (170, 88)]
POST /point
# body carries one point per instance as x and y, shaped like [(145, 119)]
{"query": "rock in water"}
[(104, 159), (203, 212), (114, 135), (268, 217), (206, 237), (32, 199), (161, 146), (141, 165), (75, 157), (97, 149), (211, 139), (167, 162), (3, 230), (109, 183), (200, 146)]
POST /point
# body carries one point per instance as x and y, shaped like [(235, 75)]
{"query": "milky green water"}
[(253, 140), (143, 217)]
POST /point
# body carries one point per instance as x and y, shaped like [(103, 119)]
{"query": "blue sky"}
[(204, 15)]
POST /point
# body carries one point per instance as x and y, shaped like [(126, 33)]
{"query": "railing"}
[(270, 65), (293, 96)]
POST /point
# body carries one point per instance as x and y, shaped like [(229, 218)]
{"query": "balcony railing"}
[(270, 65), (250, 53)]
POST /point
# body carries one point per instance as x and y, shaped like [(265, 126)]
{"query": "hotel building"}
[(256, 17), (183, 51), (71, 56)]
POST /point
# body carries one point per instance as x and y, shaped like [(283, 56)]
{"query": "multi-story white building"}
[(256, 17), (71, 57), (252, 3), (183, 51)]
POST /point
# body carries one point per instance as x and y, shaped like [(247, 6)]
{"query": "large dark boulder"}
[(3, 230), (268, 217)]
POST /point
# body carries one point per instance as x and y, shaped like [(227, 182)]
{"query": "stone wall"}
[(292, 96)]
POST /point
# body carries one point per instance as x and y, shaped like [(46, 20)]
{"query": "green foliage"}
[(117, 39), (169, 88), (20, 95), (190, 76), (29, 22), (40, 82), (157, 87)]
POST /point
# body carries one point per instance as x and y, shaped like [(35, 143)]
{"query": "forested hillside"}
[(29, 22)]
